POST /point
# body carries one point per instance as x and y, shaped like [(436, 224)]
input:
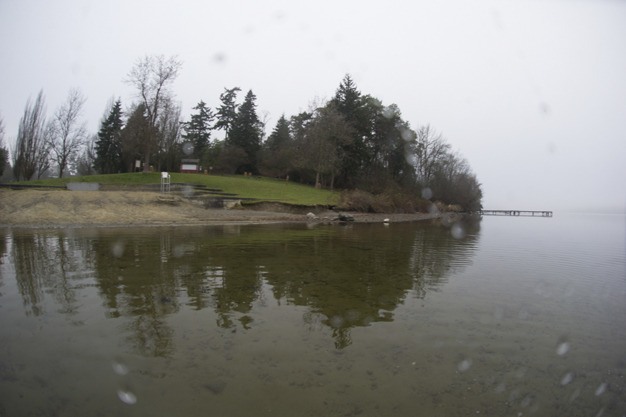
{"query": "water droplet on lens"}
[(427, 193), (574, 395), (187, 148), (127, 397), (457, 230), (178, 251), (336, 322), (118, 249), (219, 58), (188, 191), (464, 365), (388, 112), (119, 368), (567, 378), (406, 134), (601, 389), (562, 348)]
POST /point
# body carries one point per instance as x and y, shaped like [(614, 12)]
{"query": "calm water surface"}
[(511, 317)]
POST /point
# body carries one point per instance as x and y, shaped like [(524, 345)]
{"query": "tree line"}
[(351, 141)]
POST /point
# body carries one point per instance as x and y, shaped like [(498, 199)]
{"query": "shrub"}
[(387, 202)]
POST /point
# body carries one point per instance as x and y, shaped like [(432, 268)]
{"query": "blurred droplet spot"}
[(188, 191), (562, 348), (336, 322), (567, 378), (464, 365), (120, 368), (127, 397), (457, 230), (187, 148), (388, 112), (220, 58), (117, 250)]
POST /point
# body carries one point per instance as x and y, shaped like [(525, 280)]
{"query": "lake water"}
[(511, 316)]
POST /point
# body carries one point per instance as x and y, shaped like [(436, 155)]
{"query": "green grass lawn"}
[(259, 188)]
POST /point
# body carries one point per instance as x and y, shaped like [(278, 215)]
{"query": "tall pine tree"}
[(350, 104), (277, 155), (246, 133), (198, 129), (280, 136), (109, 143), (227, 112)]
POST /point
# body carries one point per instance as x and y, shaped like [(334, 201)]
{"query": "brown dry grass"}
[(60, 208), (76, 208)]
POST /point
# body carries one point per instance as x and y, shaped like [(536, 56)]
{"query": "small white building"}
[(190, 166)]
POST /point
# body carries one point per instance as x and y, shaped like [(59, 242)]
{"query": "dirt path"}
[(59, 208)]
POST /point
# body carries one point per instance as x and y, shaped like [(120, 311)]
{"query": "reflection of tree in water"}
[(136, 281), (3, 253), (361, 274), (145, 276), (48, 263), (435, 252), (347, 277)]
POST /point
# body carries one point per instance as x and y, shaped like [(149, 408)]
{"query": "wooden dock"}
[(528, 213)]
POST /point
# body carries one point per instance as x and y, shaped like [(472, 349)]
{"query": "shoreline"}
[(41, 209)]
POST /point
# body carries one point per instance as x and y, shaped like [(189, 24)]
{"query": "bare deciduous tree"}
[(67, 133), (152, 76), (325, 137), (4, 152), (430, 150), (169, 133), (85, 161), (31, 153)]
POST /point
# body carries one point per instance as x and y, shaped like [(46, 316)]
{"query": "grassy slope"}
[(248, 187)]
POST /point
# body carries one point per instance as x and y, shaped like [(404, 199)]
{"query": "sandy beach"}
[(60, 208)]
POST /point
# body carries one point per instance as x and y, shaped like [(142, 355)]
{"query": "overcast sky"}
[(531, 93)]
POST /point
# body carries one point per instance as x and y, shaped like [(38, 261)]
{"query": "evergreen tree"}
[(280, 136), (245, 132), (347, 100), (298, 125), (277, 153), (227, 112), (350, 104), (198, 128), (109, 143)]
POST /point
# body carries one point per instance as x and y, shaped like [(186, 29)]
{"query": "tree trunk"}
[(146, 162)]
